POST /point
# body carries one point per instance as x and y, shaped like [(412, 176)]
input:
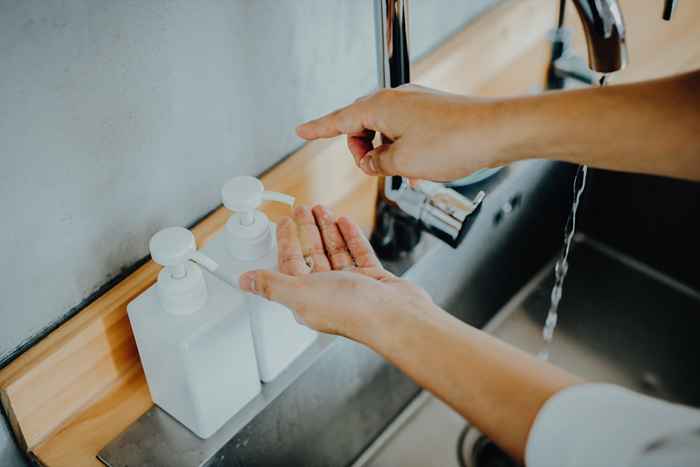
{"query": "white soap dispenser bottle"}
[(193, 335), (248, 243)]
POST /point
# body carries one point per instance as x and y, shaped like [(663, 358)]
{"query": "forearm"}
[(651, 127), (494, 386)]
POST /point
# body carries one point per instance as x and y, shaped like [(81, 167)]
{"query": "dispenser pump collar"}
[(245, 194)]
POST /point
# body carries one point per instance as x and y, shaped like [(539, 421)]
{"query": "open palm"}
[(330, 276)]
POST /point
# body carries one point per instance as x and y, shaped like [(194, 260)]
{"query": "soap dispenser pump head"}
[(245, 194), (181, 287), (172, 247), (249, 232)]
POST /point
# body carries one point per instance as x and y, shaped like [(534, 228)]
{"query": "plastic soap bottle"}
[(193, 335), (248, 242)]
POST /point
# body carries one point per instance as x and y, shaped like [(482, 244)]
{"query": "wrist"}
[(495, 132), (387, 329), (517, 122)]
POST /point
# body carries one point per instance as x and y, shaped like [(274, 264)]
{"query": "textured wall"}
[(119, 118), (10, 455)]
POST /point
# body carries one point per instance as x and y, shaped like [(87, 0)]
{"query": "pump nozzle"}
[(279, 197), (181, 286), (173, 247), (245, 194)]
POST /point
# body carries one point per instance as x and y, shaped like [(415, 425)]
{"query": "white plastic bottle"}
[(193, 335), (247, 243)]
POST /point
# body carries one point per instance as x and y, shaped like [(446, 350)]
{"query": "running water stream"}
[(561, 267)]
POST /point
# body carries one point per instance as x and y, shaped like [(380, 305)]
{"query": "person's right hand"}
[(331, 278), (432, 135)]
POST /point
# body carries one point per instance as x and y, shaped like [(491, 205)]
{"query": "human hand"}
[(330, 276), (431, 135)]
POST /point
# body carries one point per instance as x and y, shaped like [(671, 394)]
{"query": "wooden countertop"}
[(83, 384)]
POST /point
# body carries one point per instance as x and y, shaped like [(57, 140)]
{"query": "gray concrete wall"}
[(10, 455), (120, 118)]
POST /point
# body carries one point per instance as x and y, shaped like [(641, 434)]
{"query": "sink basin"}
[(620, 322)]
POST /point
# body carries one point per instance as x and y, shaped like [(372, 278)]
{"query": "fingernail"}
[(247, 282), (363, 164), (320, 209), (303, 130), (300, 212), (321, 215), (347, 221), (372, 164)]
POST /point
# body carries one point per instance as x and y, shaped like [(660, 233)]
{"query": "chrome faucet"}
[(604, 28), (403, 209)]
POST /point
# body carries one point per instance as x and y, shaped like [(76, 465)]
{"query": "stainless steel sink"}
[(620, 322)]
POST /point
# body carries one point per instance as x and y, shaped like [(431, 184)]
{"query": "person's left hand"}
[(330, 276)]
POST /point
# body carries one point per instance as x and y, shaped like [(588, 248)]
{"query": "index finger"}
[(347, 120)]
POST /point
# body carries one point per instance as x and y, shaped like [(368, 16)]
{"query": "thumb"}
[(270, 284), (381, 160)]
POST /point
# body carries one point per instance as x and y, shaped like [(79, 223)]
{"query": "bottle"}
[(248, 243), (193, 336)]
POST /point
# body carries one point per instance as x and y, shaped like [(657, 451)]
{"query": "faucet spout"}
[(604, 28)]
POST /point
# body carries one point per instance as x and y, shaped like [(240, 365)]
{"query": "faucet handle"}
[(442, 211)]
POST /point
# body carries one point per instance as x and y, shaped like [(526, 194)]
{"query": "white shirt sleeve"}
[(602, 425)]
